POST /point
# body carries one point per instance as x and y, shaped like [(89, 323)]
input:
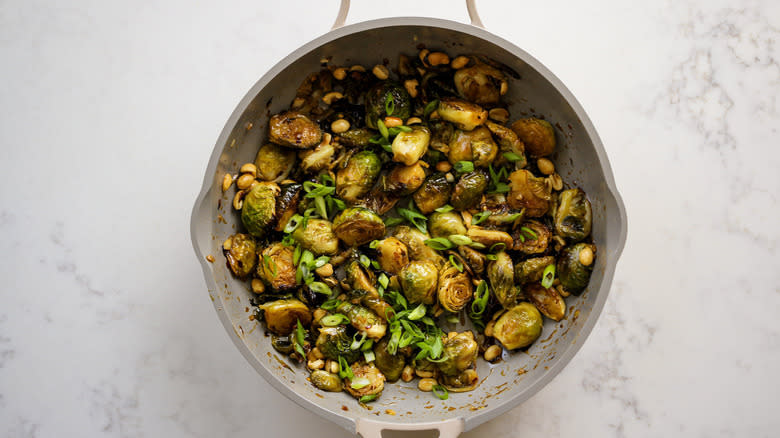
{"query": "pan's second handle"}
[(368, 428), (344, 10)]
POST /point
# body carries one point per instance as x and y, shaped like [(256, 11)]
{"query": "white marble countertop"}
[(108, 114)]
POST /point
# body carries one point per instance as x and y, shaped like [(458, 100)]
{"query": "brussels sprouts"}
[(364, 320), (378, 201), (519, 326), (334, 342), (529, 192), (293, 129), (469, 189), (415, 243), (489, 237), (465, 115), (461, 351), (358, 278), (376, 304), (455, 289), (357, 137), (501, 274), (317, 236), (392, 255), (532, 270), (408, 147), (391, 365), (259, 208), (548, 301), (281, 316), (274, 162), (531, 237), (384, 96), (356, 179), (326, 381), (241, 256), (475, 259), (573, 218), (573, 274), (357, 225), (508, 142), (367, 373), (463, 382), (441, 135), (418, 281), (282, 344), (287, 204), (443, 224), (404, 180), (479, 84), (434, 193), (319, 158), (276, 267), (476, 146), (537, 135)]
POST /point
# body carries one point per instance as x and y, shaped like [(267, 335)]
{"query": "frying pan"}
[(580, 159)]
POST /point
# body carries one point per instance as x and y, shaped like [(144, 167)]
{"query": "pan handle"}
[(344, 10), (373, 429)]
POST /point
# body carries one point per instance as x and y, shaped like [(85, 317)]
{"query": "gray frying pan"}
[(580, 159)]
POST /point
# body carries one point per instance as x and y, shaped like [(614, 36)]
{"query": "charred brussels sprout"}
[(469, 189), (358, 278), (313, 160), (294, 130), (434, 193), (357, 137), (392, 255), (241, 256), (443, 224), (465, 115), (276, 267), (480, 84), (385, 96), (455, 289), (489, 237), (531, 270), (476, 146), (317, 236), (281, 316), (529, 192), (474, 258), (259, 209), (537, 135), (462, 382), (408, 147), (461, 351), (573, 274), (404, 180), (519, 326), (508, 142), (391, 365), (501, 273), (418, 281), (415, 243), (363, 320), (441, 135), (370, 375), (573, 218), (357, 225), (282, 344), (531, 237), (326, 381), (334, 342), (548, 301), (356, 179), (287, 204), (274, 162)]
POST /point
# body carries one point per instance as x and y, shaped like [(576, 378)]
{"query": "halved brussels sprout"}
[(319, 158), (531, 237), (548, 301), (378, 201), (529, 192), (359, 278), (392, 255), (357, 177), (357, 225), (434, 193), (357, 137), (375, 303), (364, 320), (281, 316), (573, 218), (276, 267), (463, 382), (476, 146), (282, 344), (326, 381), (573, 274), (532, 270), (415, 243), (519, 326), (468, 190), (455, 289), (461, 351), (384, 96), (418, 281), (474, 258), (371, 374), (334, 342), (317, 237), (294, 129), (259, 209), (441, 135), (465, 115), (404, 180), (489, 237), (242, 254), (501, 274), (391, 365), (274, 162), (408, 147), (537, 135), (508, 142), (287, 204), (444, 224), (480, 84)]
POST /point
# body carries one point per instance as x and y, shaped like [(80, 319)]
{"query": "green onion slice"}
[(464, 166), (548, 276), (334, 320), (417, 313), (454, 261), (480, 217), (460, 239), (440, 392), (439, 243)]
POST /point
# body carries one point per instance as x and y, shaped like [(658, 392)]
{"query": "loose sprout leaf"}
[(480, 217), (548, 276)]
